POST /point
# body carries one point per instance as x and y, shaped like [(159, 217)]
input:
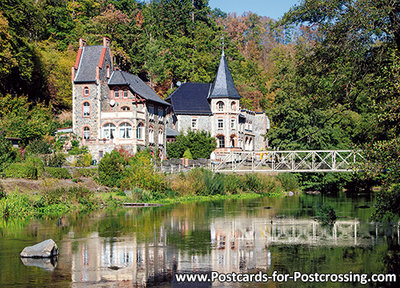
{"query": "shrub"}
[(233, 185), (7, 155), (58, 172), (289, 181), (187, 154), (200, 144), (111, 169), (84, 160), (38, 146), (20, 170), (37, 163), (86, 173), (15, 205), (140, 173), (54, 160)]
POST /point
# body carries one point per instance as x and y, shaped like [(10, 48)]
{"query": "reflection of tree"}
[(392, 260)]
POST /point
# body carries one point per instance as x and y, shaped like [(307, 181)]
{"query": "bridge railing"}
[(287, 161)]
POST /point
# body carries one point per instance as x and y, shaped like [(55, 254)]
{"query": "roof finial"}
[(223, 46)]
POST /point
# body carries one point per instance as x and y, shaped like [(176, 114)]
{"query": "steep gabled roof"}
[(136, 85), (89, 60), (223, 85), (191, 98)]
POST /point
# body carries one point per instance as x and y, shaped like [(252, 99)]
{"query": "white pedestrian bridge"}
[(287, 161)]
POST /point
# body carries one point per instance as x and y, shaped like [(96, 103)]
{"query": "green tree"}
[(7, 155), (199, 143), (111, 169)]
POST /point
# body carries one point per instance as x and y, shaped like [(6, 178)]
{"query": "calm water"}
[(144, 247)]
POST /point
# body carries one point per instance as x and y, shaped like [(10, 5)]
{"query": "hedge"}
[(57, 172), (21, 170)]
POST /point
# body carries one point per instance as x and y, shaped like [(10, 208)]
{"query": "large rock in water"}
[(45, 249)]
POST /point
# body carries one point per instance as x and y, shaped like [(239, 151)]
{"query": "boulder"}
[(45, 249)]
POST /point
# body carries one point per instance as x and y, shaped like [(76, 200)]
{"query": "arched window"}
[(221, 141), (86, 109), (86, 91), (160, 137), (86, 133), (125, 108), (125, 131), (139, 131), (220, 106), (233, 106), (109, 131), (151, 135), (232, 141)]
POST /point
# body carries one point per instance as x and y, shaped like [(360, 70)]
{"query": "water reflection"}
[(147, 246), (238, 244)]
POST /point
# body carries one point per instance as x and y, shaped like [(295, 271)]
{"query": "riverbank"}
[(52, 198)]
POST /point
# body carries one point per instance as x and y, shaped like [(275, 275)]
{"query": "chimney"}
[(106, 42), (82, 42)]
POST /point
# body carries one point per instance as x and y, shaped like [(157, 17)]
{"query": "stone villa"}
[(216, 108), (114, 109)]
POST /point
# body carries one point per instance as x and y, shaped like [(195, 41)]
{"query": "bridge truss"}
[(287, 161)]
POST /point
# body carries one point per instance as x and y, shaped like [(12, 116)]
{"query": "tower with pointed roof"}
[(216, 108)]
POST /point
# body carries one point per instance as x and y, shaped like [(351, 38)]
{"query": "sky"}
[(271, 8)]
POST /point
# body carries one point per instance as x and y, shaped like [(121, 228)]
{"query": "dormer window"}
[(220, 106)]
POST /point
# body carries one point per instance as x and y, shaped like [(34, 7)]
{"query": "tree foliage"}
[(199, 144)]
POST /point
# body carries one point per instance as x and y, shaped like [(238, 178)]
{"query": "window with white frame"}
[(151, 135), (86, 109), (220, 124), (108, 71), (125, 93), (139, 131), (221, 141), (194, 123), (125, 131), (220, 106), (233, 124), (86, 132), (109, 131), (233, 106), (116, 93), (160, 137)]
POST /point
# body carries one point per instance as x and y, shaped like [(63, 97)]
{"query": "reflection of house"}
[(114, 109), (216, 108)]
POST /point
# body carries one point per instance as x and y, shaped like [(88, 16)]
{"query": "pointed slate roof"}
[(223, 86), (87, 67), (191, 98), (136, 85)]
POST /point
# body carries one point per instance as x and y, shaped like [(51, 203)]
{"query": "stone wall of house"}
[(185, 123)]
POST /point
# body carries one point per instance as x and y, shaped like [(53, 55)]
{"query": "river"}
[(146, 247)]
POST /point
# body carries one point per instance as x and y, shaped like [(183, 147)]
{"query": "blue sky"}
[(271, 8)]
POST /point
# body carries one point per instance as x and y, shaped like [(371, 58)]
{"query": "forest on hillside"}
[(327, 73)]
